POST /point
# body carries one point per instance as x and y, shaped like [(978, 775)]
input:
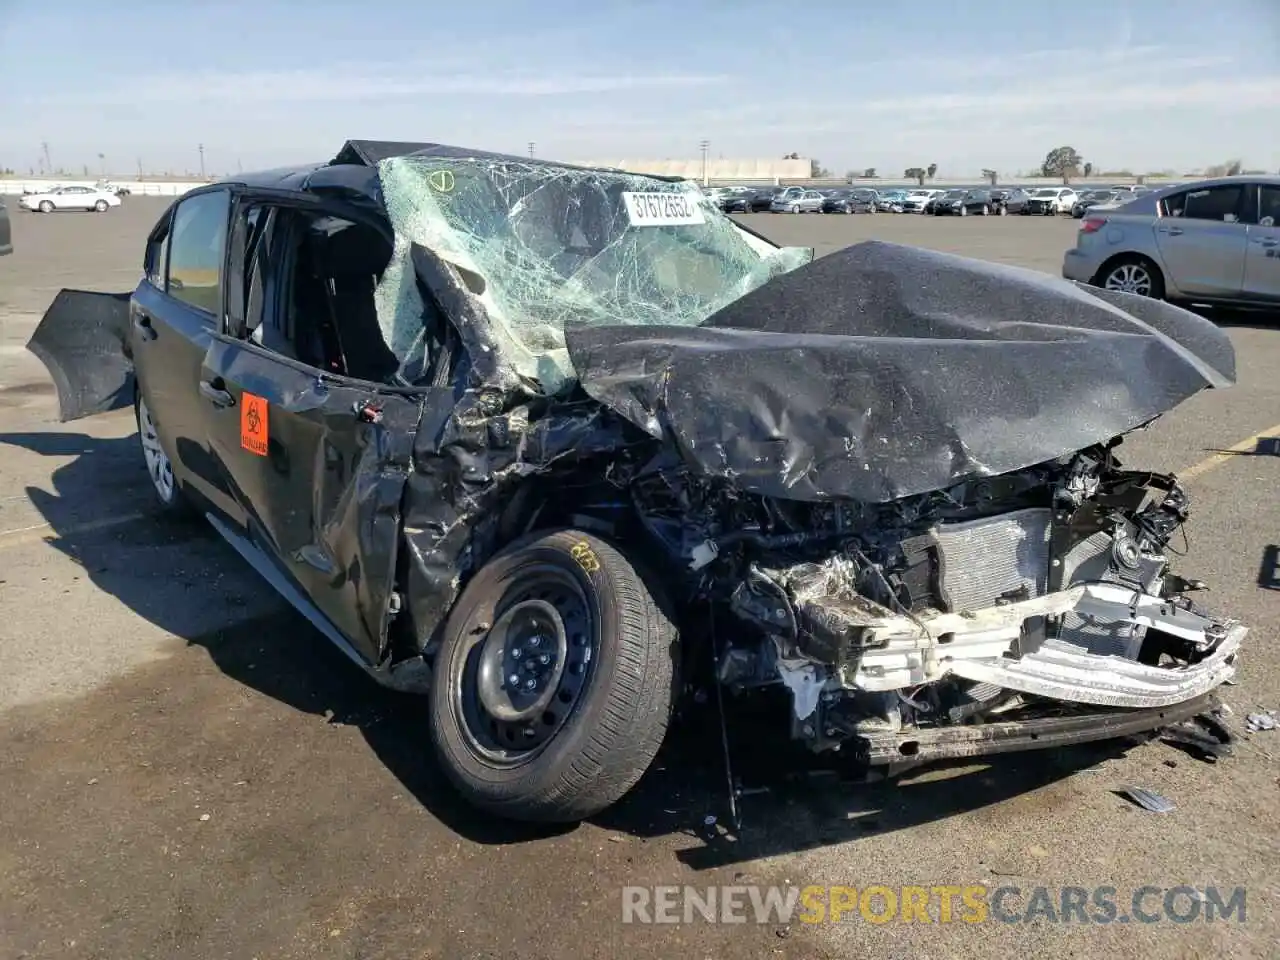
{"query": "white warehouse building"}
[(770, 170)]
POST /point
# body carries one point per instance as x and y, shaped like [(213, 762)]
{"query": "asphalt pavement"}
[(190, 770)]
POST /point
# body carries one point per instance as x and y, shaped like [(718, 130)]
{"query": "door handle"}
[(142, 323), (1172, 231), (1267, 242), (216, 393)]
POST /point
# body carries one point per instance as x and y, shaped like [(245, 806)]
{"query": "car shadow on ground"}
[(793, 802)]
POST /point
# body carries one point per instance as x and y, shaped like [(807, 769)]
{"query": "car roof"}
[(354, 167)]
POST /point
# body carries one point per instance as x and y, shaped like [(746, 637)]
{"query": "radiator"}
[(983, 560)]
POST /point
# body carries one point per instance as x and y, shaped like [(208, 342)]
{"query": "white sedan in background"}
[(69, 198)]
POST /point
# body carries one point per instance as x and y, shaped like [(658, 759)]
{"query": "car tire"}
[(986, 210), (964, 211), (1002, 211), (168, 493), (601, 708), (46, 206), (101, 206), (1131, 273)]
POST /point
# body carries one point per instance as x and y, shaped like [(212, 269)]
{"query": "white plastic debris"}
[(1260, 721), (1147, 799), (703, 554)]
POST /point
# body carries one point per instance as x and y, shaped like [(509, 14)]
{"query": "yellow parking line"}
[(1222, 456), (45, 531)]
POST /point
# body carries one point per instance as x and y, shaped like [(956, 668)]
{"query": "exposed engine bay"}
[(1018, 597)]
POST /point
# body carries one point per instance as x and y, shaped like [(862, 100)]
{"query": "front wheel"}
[(46, 206), (964, 211), (101, 206), (554, 681)]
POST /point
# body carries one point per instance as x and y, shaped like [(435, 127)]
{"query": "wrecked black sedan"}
[(536, 440)]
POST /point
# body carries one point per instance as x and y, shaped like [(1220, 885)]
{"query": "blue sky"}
[(1142, 84)]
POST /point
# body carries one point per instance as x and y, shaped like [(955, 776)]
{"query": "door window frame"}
[(232, 328), (1240, 210)]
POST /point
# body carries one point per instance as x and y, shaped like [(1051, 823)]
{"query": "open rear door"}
[(82, 340)]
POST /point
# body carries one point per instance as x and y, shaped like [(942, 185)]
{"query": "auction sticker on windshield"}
[(662, 209)]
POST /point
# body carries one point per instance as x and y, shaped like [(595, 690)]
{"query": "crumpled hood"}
[(883, 371)]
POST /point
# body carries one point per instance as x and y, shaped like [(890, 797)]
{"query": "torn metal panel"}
[(882, 371), (479, 470), (325, 497), (82, 340)]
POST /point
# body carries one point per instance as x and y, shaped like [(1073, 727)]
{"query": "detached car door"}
[(1262, 261), (1202, 240), (317, 458)]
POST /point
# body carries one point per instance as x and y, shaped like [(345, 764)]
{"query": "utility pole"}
[(703, 145), (48, 164), (139, 168), (201, 149), (530, 149)]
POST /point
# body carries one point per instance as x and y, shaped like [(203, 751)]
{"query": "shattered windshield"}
[(556, 245)]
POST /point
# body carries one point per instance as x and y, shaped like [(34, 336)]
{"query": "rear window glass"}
[(1212, 203)]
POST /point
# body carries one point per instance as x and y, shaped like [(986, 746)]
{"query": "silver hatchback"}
[(1214, 241)]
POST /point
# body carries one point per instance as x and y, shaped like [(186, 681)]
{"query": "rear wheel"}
[(964, 211), (1002, 210), (554, 681), (159, 467), (1132, 274)]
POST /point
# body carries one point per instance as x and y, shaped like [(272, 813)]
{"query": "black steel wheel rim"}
[(517, 681)]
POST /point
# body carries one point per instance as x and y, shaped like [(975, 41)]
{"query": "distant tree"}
[(869, 173), (916, 173), (990, 176), (817, 171), (791, 156), (1230, 168), (1088, 170), (1061, 162), (932, 171)]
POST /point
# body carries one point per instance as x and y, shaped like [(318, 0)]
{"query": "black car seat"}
[(353, 260)]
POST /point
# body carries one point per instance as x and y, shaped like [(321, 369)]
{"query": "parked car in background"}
[(69, 198), (747, 200), (6, 233), (857, 200), (1051, 201), (807, 201), (109, 187), (891, 201), (917, 200), (961, 203), (1006, 200), (1215, 241), (1095, 198)]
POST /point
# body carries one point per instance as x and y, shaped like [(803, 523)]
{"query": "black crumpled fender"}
[(470, 459)]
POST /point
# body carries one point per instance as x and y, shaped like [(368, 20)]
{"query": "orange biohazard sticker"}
[(253, 424)]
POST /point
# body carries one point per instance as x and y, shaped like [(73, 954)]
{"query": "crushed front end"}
[(1032, 609)]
